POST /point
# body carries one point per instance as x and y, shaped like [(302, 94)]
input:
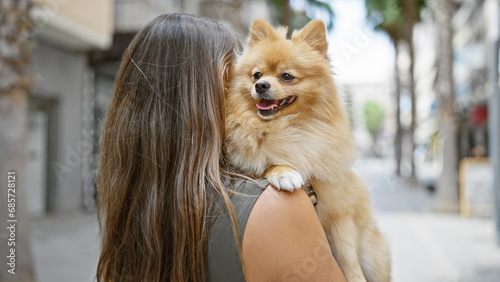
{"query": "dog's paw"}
[(284, 178)]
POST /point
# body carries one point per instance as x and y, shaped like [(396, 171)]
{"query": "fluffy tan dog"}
[(286, 122)]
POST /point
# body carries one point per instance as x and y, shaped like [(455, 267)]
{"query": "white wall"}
[(132, 15)]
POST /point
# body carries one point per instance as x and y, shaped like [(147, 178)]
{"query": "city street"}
[(84, 83), (425, 246), (428, 246)]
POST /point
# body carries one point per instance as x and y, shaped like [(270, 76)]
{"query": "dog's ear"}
[(314, 34), (260, 30)]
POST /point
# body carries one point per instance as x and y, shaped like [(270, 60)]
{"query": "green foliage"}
[(386, 16), (374, 115), (286, 16), (320, 5), (390, 15)]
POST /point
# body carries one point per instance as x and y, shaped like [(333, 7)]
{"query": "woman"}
[(167, 208)]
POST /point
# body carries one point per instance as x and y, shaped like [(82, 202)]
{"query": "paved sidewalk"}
[(65, 247), (428, 246), (431, 247)]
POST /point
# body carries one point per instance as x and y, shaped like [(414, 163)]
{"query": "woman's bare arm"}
[(284, 241)]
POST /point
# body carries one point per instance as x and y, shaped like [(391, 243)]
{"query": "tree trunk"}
[(398, 139), (410, 11), (413, 108), (287, 13), (447, 186), (15, 82)]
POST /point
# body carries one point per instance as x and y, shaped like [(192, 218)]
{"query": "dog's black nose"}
[(262, 86)]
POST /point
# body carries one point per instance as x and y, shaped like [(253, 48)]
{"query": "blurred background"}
[(419, 79)]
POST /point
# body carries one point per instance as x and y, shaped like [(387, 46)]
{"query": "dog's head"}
[(279, 76)]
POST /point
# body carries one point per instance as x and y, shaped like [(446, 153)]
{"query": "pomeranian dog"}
[(286, 122)]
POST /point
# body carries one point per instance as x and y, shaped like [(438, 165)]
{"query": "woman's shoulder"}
[(284, 240)]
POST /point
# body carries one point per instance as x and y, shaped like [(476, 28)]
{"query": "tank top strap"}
[(223, 261)]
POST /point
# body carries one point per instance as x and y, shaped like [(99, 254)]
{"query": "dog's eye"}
[(287, 77), (257, 75)]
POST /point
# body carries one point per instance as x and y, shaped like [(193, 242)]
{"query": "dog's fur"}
[(308, 141)]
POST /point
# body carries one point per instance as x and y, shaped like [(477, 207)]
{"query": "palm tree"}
[(15, 83), (397, 18), (411, 15), (387, 17)]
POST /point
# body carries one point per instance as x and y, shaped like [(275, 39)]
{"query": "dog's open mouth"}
[(268, 108)]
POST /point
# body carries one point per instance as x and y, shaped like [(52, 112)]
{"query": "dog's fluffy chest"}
[(309, 147)]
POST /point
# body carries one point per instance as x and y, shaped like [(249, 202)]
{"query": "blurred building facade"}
[(65, 31), (471, 76), (78, 49), (472, 72), (474, 90)]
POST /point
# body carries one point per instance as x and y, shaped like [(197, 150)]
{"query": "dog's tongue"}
[(267, 104)]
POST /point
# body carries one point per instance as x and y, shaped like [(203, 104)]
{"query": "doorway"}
[(40, 138)]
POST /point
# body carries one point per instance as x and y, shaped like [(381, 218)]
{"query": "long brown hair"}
[(162, 155)]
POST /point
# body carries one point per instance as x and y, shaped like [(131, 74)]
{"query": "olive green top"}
[(224, 262)]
